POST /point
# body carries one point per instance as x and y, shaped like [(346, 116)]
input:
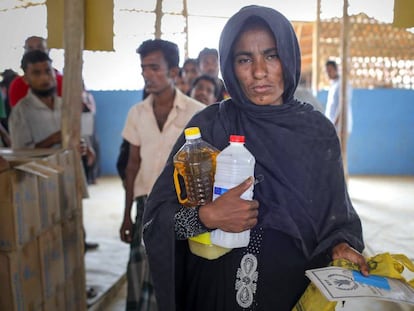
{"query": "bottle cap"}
[(192, 133), (236, 139)]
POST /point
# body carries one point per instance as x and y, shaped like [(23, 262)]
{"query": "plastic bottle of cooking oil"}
[(196, 163)]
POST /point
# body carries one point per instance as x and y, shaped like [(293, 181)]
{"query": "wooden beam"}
[(343, 95), (72, 82), (315, 49), (158, 17), (73, 38), (185, 13)]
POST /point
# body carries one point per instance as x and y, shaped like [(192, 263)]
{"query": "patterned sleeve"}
[(187, 223)]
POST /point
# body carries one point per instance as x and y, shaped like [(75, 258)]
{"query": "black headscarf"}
[(302, 191)]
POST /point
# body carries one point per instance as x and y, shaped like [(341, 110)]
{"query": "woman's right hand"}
[(229, 212)]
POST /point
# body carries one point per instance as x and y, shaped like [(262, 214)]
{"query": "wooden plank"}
[(316, 68), (72, 82), (343, 96)]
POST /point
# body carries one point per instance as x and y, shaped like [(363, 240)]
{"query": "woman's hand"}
[(229, 212), (343, 250)]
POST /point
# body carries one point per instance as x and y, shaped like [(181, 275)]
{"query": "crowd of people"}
[(300, 217), (33, 117)]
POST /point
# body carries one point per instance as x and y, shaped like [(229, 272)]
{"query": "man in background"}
[(181, 83), (205, 90), (36, 121), (190, 71), (8, 76), (152, 127), (333, 109), (208, 64), (18, 87)]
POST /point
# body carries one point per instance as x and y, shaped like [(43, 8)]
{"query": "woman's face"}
[(257, 66)]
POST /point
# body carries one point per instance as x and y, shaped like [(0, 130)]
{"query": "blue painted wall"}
[(382, 139), (381, 143), (111, 111)]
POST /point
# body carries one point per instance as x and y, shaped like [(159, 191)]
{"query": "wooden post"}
[(158, 17), (343, 95), (72, 82), (185, 13), (315, 49), (73, 40)]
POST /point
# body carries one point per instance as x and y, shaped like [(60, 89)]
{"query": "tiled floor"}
[(385, 205)]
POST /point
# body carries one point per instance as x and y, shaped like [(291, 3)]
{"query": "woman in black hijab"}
[(301, 216)]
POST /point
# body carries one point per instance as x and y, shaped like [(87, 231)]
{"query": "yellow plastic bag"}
[(313, 300), (385, 264)]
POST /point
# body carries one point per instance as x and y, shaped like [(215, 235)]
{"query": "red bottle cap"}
[(236, 139)]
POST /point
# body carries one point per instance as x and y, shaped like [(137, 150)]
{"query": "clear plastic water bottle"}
[(196, 163), (233, 165)]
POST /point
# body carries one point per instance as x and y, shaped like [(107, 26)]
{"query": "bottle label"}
[(219, 190)]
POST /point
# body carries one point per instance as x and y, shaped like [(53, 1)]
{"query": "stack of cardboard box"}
[(41, 236)]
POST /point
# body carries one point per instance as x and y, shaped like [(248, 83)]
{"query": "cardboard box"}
[(26, 194), (49, 190), (11, 291), (75, 291), (73, 244), (69, 200), (57, 302), (20, 279), (64, 189), (51, 261), (49, 200), (19, 212)]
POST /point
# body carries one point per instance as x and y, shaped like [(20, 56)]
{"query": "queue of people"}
[(300, 217)]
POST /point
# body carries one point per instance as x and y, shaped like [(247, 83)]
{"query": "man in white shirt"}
[(152, 127), (333, 107), (36, 121)]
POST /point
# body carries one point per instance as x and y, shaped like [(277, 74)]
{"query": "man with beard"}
[(36, 121), (19, 87), (151, 128)]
